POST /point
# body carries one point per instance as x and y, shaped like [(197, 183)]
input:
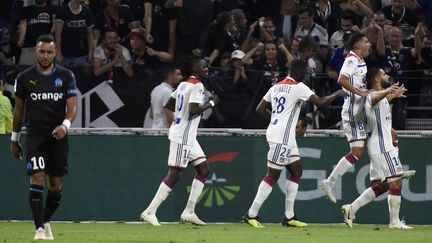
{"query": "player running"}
[(187, 103), (281, 105)]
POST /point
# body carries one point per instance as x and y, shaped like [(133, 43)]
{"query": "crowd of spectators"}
[(241, 39)]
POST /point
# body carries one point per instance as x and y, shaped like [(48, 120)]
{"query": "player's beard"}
[(385, 84), (44, 66)]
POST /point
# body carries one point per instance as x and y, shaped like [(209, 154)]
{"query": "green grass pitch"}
[(122, 232)]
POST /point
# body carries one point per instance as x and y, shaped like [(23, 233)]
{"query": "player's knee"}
[(173, 175), (357, 152), (298, 172), (203, 171), (38, 179)]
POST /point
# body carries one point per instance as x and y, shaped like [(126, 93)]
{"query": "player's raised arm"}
[(344, 82)]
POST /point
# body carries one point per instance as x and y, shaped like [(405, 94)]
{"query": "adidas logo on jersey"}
[(46, 96)]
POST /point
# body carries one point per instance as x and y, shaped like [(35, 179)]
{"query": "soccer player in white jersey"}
[(187, 102), (281, 105), (352, 79), (385, 167)]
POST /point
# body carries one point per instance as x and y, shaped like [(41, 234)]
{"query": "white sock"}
[(161, 194), (394, 202), (291, 193), (366, 197), (342, 166), (197, 187), (264, 191)]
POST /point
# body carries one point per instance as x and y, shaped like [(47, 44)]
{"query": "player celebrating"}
[(284, 100), (385, 167), (187, 102), (351, 78), (46, 93)]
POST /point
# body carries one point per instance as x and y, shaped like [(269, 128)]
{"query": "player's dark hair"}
[(370, 76), (189, 65), (45, 38), (353, 39), (297, 65)]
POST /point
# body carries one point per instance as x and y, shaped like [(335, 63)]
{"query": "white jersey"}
[(355, 69), (286, 98), (379, 124), (158, 99), (184, 128)]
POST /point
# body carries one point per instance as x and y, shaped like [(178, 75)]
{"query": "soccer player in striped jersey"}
[(281, 105), (385, 167), (352, 79), (187, 103)]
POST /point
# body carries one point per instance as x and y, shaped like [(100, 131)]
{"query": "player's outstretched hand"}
[(16, 150), (59, 132), (215, 99)]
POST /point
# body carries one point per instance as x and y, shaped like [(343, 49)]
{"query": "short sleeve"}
[(165, 97), (61, 16), (369, 98), (89, 19), (127, 55), (324, 40), (197, 93), (267, 96), (305, 92), (19, 88), (349, 66), (71, 87), (174, 94), (99, 54)]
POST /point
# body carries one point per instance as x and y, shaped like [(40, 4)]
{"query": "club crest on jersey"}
[(34, 82), (58, 82)]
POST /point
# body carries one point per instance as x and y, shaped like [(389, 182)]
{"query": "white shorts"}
[(355, 131), (281, 155), (385, 166), (181, 155)]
